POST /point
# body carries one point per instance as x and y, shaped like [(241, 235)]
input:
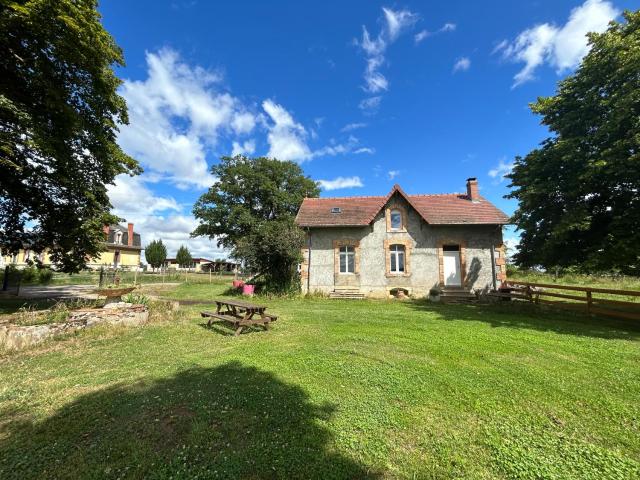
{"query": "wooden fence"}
[(586, 299)]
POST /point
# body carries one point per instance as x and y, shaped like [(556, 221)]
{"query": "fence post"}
[(589, 302), (5, 280)]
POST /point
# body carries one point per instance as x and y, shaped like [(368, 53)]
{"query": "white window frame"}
[(395, 211), (347, 251), (398, 255)]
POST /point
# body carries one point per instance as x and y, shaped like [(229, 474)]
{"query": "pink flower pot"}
[(248, 289)]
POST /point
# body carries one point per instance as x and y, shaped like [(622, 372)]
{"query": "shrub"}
[(29, 274), (45, 275), (137, 299)]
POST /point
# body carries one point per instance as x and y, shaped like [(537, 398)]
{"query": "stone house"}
[(375, 246)]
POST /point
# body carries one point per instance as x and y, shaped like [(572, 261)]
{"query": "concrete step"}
[(457, 295), (461, 293), (347, 293)]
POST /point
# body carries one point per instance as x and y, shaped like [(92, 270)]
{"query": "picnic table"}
[(240, 314)]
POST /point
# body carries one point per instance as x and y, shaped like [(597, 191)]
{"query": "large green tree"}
[(155, 253), (59, 112), (579, 193), (183, 257), (250, 209)]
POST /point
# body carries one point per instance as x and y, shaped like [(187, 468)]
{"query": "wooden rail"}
[(587, 301)]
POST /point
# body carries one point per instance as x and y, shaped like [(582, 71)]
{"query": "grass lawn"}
[(92, 278), (336, 389)]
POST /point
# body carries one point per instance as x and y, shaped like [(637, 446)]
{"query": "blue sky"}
[(362, 94)]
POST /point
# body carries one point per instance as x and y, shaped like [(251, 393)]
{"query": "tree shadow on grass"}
[(534, 317), (231, 421)]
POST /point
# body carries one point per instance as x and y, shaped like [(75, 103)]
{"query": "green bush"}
[(137, 299), (45, 275), (29, 274)]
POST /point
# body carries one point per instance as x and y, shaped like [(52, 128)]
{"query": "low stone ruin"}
[(15, 337)]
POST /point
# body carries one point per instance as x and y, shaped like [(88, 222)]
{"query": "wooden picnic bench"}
[(240, 314)]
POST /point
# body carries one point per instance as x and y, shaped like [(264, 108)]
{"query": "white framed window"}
[(397, 253), (395, 219), (347, 259), (118, 237)]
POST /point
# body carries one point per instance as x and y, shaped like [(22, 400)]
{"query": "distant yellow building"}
[(123, 247)]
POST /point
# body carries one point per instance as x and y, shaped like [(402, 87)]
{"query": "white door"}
[(451, 264)]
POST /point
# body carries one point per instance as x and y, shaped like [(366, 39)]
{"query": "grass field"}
[(337, 389), (92, 278), (576, 279)]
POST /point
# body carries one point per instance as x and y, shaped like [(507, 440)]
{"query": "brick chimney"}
[(105, 229), (130, 237), (472, 189)]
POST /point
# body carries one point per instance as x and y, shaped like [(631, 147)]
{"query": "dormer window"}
[(336, 210), (396, 219), (118, 237)]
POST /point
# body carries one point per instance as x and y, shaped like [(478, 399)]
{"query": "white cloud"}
[(246, 148), (561, 47), (130, 195), (462, 64), (396, 22), (391, 174), (423, 34), (340, 182), (503, 169), (370, 105), (175, 230), (352, 126), (365, 150), (176, 115), (512, 245), (288, 139), (156, 217)]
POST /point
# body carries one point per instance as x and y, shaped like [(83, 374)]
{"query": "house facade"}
[(122, 250), (376, 245)]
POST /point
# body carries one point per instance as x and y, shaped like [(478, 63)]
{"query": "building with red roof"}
[(379, 245)]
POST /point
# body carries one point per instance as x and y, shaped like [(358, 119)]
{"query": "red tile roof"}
[(444, 209)]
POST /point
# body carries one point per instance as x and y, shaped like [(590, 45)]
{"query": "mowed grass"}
[(337, 389)]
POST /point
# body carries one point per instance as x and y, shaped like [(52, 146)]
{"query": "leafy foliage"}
[(274, 248), (579, 193), (137, 299), (183, 257), (155, 253), (251, 209), (59, 112)]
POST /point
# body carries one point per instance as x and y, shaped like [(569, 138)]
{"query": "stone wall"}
[(422, 244), (15, 337)]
